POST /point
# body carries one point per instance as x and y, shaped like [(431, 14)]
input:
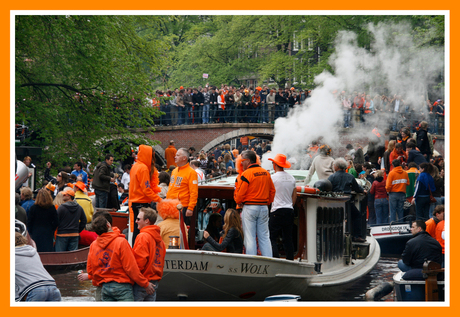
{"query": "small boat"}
[(392, 238), (325, 261), (64, 261), (414, 290)]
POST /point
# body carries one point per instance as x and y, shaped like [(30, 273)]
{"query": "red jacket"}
[(378, 189), (149, 251), (111, 259)]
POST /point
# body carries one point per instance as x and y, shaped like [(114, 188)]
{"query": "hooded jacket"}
[(141, 189), (111, 259), (397, 180), (149, 251), (72, 218), (85, 202), (29, 272)]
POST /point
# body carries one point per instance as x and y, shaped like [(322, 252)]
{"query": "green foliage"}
[(80, 79)]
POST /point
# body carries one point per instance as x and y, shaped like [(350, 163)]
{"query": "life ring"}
[(307, 190)]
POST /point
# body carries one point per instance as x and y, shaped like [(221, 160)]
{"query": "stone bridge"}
[(207, 136)]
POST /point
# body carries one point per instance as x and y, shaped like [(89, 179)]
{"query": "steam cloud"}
[(395, 65)]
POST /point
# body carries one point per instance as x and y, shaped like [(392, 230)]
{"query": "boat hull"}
[(213, 276), (64, 261), (392, 239)]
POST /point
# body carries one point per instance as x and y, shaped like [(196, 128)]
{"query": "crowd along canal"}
[(74, 291)]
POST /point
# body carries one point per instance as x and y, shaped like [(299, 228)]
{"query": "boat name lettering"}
[(394, 228), (186, 265), (254, 268)]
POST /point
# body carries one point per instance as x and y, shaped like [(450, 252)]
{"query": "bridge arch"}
[(222, 139)]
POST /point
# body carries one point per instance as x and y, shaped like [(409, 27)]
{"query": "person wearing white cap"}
[(282, 212)]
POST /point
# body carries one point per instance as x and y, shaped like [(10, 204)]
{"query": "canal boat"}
[(411, 290), (392, 238), (326, 260)]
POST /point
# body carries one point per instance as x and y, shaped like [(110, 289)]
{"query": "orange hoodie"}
[(149, 251), (439, 229), (184, 186), (111, 259), (397, 180)]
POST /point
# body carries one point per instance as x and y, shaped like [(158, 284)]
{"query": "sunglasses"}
[(59, 175)]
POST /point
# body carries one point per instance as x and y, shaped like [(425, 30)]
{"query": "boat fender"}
[(306, 189), (379, 291)]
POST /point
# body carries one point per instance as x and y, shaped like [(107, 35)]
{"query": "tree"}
[(83, 80)]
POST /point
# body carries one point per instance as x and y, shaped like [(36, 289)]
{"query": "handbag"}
[(432, 199)]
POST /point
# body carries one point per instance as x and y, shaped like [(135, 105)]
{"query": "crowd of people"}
[(405, 177), (227, 104)]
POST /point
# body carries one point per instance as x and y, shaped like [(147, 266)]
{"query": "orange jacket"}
[(149, 251), (184, 186), (394, 155), (431, 227), (170, 153), (256, 187), (397, 180), (141, 189), (111, 259), (439, 230)]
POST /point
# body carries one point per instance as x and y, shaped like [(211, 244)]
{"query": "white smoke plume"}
[(394, 65)]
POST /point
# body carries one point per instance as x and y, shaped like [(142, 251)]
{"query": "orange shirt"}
[(184, 186), (439, 229), (431, 227), (170, 153)]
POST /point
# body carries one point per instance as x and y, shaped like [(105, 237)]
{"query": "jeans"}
[(255, 223), (203, 220), (206, 113), (422, 208), (117, 292), (403, 267), (264, 113), (197, 114), (140, 294), (397, 205), (346, 118), (66, 243), (439, 201), (282, 220), (48, 293), (382, 211), (101, 198)]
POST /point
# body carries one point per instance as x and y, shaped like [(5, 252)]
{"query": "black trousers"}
[(136, 207), (282, 221)]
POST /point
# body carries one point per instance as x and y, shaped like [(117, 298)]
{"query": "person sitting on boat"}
[(170, 225), (346, 183), (282, 211), (32, 282), (232, 240), (420, 248), (214, 226), (255, 191), (438, 216), (149, 251), (322, 164), (72, 220), (111, 263)]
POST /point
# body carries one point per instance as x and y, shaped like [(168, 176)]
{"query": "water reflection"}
[(74, 291)]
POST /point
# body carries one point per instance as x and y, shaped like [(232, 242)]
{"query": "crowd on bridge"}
[(404, 173), (229, 104)]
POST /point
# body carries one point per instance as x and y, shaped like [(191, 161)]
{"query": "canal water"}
[(74, 291)]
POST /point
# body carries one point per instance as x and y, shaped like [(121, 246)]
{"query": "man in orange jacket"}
[(397, 182), (431, 224), (149, 251), (170, 153), (143, 186), (111, 263), (255, 191)]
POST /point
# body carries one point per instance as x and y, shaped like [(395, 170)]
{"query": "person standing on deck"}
[(143, 188), (282, 212), (170, 153), (255, 191), (149, 251)]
